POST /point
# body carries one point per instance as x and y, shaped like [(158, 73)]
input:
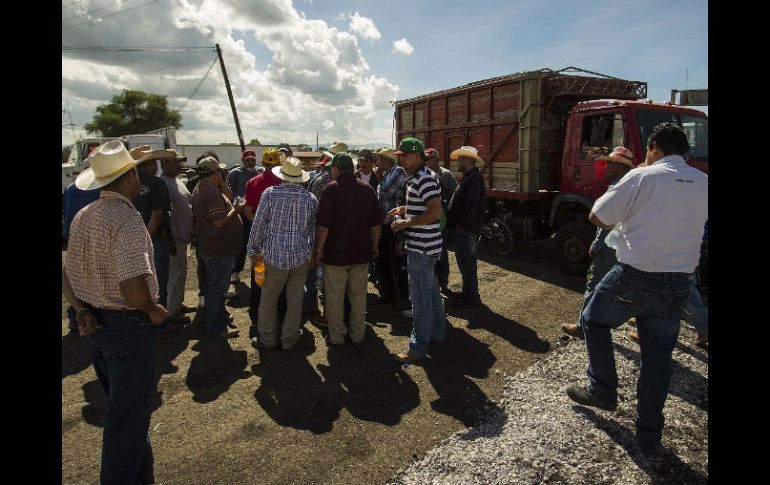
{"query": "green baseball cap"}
[(410, 145), (343, 161)]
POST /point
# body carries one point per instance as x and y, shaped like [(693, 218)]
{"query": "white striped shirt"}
[(421, 187)]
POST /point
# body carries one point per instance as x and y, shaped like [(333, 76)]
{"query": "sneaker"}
[(235, 278), (583, 396), (573, 330), (225, 334), (407, 313), (633, 336), (257, 343), (408, 357)]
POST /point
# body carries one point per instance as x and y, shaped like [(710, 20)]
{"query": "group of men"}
[(391, 217)]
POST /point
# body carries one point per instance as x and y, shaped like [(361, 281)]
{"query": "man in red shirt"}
[(254, 189)]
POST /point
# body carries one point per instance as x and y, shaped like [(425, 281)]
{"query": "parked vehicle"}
[(540, 133)]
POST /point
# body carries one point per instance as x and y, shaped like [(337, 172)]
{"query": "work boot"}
[(573, 330), (582, 395)]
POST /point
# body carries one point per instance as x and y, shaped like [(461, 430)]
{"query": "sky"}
[(334, 67)]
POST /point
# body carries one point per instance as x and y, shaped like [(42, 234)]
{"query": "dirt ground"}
[(226, 414)]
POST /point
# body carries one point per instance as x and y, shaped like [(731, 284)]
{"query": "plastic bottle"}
[(612, 239), (259, 273)]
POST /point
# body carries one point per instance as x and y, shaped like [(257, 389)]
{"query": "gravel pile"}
[(536, 434)]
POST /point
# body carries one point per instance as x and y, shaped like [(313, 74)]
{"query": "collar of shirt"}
[(203, 183), (108, 194), (671, 160), (422, 169)]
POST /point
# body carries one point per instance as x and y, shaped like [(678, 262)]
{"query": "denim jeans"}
[(657, 300), (429, 323), (310, 301), (217, 281), (124, 354), (160, 249), (697, 313), (442, 267), (240, 259), (390, 275), (466, 248), (603, 261), (201, 271)]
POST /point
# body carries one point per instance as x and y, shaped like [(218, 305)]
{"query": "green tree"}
[(133, 112), (254, 141)]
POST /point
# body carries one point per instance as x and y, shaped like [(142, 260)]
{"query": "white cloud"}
[(316, 78), (364, 27), (402, 46)]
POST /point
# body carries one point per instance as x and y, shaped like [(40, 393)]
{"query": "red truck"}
[(539, 133)]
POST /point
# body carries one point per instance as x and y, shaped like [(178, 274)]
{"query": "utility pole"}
[(72, 125), (230, 95), (316, 141)]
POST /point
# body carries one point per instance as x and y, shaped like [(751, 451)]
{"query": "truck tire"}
[(500, 236), (570, 247)]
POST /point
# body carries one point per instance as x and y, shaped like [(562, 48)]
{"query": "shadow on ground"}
[(516, 334)]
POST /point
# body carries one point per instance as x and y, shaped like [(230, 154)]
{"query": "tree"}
[(133, 112), (254, 141)]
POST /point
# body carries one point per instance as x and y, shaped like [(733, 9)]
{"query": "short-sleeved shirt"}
[(109, 244), (349, 210), (256, 186), (237, 179), (660, 211), (210, 204), (421, 187), (153, 195), (181, 220)]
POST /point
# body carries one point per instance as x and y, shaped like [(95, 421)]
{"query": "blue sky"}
[(300, 66)]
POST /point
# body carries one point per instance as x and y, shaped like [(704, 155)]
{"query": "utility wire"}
[(94, 11), (109, 15), (65, 5), (136, 49), (195, 91)]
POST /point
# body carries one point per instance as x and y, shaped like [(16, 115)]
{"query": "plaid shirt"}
[(109, 244), (320, 183), (390, 190), (284, 226)]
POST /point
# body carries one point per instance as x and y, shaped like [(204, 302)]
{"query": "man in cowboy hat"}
[(465, 216), (154, 204), (617, 164), (423, 248), (192, 182), (109, 278), (282, 236), (180, 225), (217, 230), (389, 271), (254, 190), (349, 223), (237, 179), (448, 185)]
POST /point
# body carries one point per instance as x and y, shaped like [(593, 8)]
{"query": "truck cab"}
[(78, 159)]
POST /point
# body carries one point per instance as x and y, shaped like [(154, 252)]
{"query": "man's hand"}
[(397, 211), (158, 314), (315, 259), (399, 225), (87, 322)]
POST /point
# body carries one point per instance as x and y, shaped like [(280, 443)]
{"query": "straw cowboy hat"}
[(107, 162), (291, 171), (621, 155), (337, 147), (467, 151), (146, 153), (388, 153)]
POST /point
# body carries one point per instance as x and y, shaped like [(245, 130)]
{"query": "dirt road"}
[(227, 414)]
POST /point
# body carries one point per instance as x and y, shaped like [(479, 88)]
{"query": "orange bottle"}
[(259, 272)]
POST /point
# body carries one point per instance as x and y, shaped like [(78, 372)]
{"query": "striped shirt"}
[(421, 187), (284, 226), (108, 244)]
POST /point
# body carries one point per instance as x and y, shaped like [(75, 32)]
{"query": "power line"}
[(136, 49), (65, 5), (94, 11), (195, 91), (109, 15)]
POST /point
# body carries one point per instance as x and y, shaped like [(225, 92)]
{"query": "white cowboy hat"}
[(106, 163), (467, 151), (291, 171), (338, 147)]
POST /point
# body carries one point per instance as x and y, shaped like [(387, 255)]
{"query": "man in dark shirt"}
[(154, 204), (448, 185), (466, 216), (237, 180), (349, 222)]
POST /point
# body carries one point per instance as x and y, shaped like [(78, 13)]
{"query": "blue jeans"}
[(442, 267), (603, 261), (466, 247), (160, 249), (217, 282), (657, 300), (697, 313), (427, 306), (310, 300), (124, 355)]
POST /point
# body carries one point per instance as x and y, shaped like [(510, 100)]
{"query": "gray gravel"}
[(536, 434)]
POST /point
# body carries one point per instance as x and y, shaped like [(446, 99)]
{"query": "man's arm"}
[(320, 242), (220, 223), (431, 214), (86, 320), (376, 232), (137, 293), (156, 219), (596, 222), (248, 212)]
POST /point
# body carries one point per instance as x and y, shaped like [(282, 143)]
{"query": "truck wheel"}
[(570, 247), (500, 236)]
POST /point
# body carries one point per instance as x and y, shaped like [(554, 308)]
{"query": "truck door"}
[(599, 133)]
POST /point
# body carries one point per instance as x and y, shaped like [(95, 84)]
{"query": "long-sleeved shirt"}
[(319, 183), (448, 185), (468, 205), (389, 190), (284, 226)]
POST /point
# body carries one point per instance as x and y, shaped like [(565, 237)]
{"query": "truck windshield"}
[(696, 128)]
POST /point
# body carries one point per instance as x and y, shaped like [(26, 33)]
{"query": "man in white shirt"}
[(660, 211)]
